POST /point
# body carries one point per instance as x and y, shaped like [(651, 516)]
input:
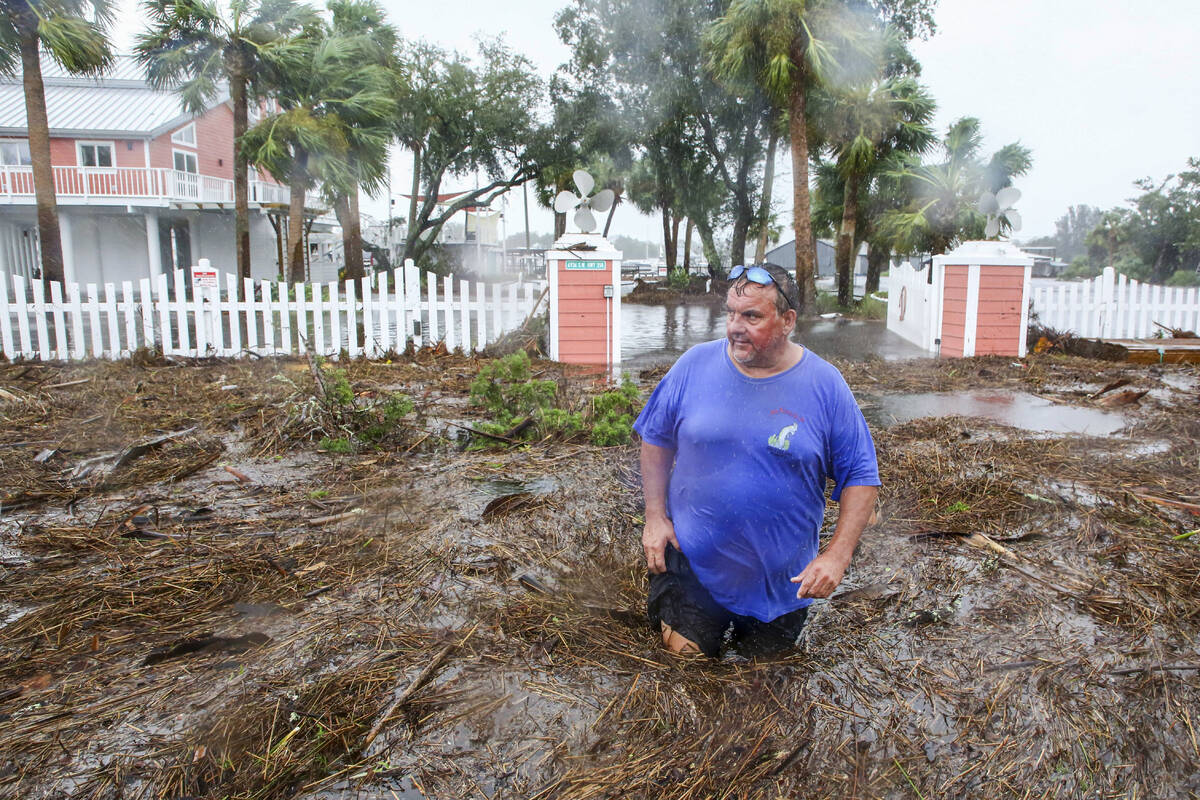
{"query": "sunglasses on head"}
[(761, 277)]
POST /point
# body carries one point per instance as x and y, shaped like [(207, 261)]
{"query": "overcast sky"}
[(1103, 92)]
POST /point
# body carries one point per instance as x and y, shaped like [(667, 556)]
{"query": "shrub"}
[(525, 407), (612, 414), (1184, 277)]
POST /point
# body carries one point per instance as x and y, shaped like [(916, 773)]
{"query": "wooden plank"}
[(129, 307), (60, 321), (464, 300), (6, 337), (234, 308), (39, 319), (250, 311)]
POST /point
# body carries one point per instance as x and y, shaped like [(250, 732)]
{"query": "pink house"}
[(142, 187)]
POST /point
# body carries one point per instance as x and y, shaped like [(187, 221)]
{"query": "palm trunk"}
[(411, 234), (356, 240), (877, 256), (341, 207), (806, 256), (241, 168), (295, 242), (845, 243), (39, 150), (764, 209)]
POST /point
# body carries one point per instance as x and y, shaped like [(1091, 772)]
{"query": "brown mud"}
[(196, 602)]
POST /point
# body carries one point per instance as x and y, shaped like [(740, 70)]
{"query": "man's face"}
[(757, 332)]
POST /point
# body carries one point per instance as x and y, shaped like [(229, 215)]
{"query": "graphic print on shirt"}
[(780, 441)]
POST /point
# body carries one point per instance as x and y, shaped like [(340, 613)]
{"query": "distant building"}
[(142, 187), (471, 237), (785, 256)]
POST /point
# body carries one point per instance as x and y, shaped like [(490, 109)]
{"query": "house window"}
[(95, 154), (15, 153), (185, 136), (185, 162)]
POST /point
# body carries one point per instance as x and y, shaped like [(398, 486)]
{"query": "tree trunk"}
[(39, 149), (737, 247), (411, 233), (295, 242), (764, 209), (687, 246), (241, 167), (673, 258), (356, 240), (668, 249), (845, 257), (806, 256), (611, 210), (877, 257), (715, 270), (341, 207)]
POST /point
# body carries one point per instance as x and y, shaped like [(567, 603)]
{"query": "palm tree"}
[(336, 105), (78, 44), (363, 24), (944, 211), (863, 124), (787, 47), (195, 48)]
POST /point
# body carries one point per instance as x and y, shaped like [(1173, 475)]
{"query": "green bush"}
[(870, 308), (1184, 277), (613, 413), (341, 446), (511, 395), (678, 279)]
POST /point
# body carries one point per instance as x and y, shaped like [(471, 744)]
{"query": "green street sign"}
[(584, 265)]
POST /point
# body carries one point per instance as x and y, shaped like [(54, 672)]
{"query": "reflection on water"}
[(1008, 408), (652, 335)]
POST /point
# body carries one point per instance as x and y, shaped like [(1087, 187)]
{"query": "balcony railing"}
[(117, 185)]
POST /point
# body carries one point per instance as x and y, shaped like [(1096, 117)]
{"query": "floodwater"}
[(1016, 409), (654, 335)]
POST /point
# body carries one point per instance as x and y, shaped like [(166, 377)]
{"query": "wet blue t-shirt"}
[(752, 457)]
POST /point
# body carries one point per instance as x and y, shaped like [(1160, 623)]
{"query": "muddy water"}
[(653, 335), (1015, 409)]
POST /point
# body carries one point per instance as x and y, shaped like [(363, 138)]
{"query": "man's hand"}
[(658, 533), (821, 576)]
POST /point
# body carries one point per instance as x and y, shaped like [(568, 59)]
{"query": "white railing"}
[(370, 316), (1114, 306), (119, 184), (911, 299)]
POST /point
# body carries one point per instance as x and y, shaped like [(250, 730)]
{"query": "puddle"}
[(1014, 409), (654, 335)]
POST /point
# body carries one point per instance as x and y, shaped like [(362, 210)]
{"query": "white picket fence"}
[(1114, 306), (370, 316)]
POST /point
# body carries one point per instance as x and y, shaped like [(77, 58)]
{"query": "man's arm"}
[(824, 573), (656, 473)]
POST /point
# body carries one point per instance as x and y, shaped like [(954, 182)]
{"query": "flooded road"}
[(1016, 409), (653, 335)]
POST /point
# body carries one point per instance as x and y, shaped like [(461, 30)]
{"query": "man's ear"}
[(789, 319)]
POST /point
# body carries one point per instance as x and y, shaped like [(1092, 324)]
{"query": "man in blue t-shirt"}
[(738, 442)]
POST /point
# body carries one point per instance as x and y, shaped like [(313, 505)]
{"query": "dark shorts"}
[(679, 599)]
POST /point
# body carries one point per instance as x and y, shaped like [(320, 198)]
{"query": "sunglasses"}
[(761, 277)]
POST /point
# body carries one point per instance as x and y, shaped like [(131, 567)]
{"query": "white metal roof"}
[(120, 103)]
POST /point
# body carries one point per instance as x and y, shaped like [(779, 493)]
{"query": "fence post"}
[(1107, 289), (6, 343), (412, 301)]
